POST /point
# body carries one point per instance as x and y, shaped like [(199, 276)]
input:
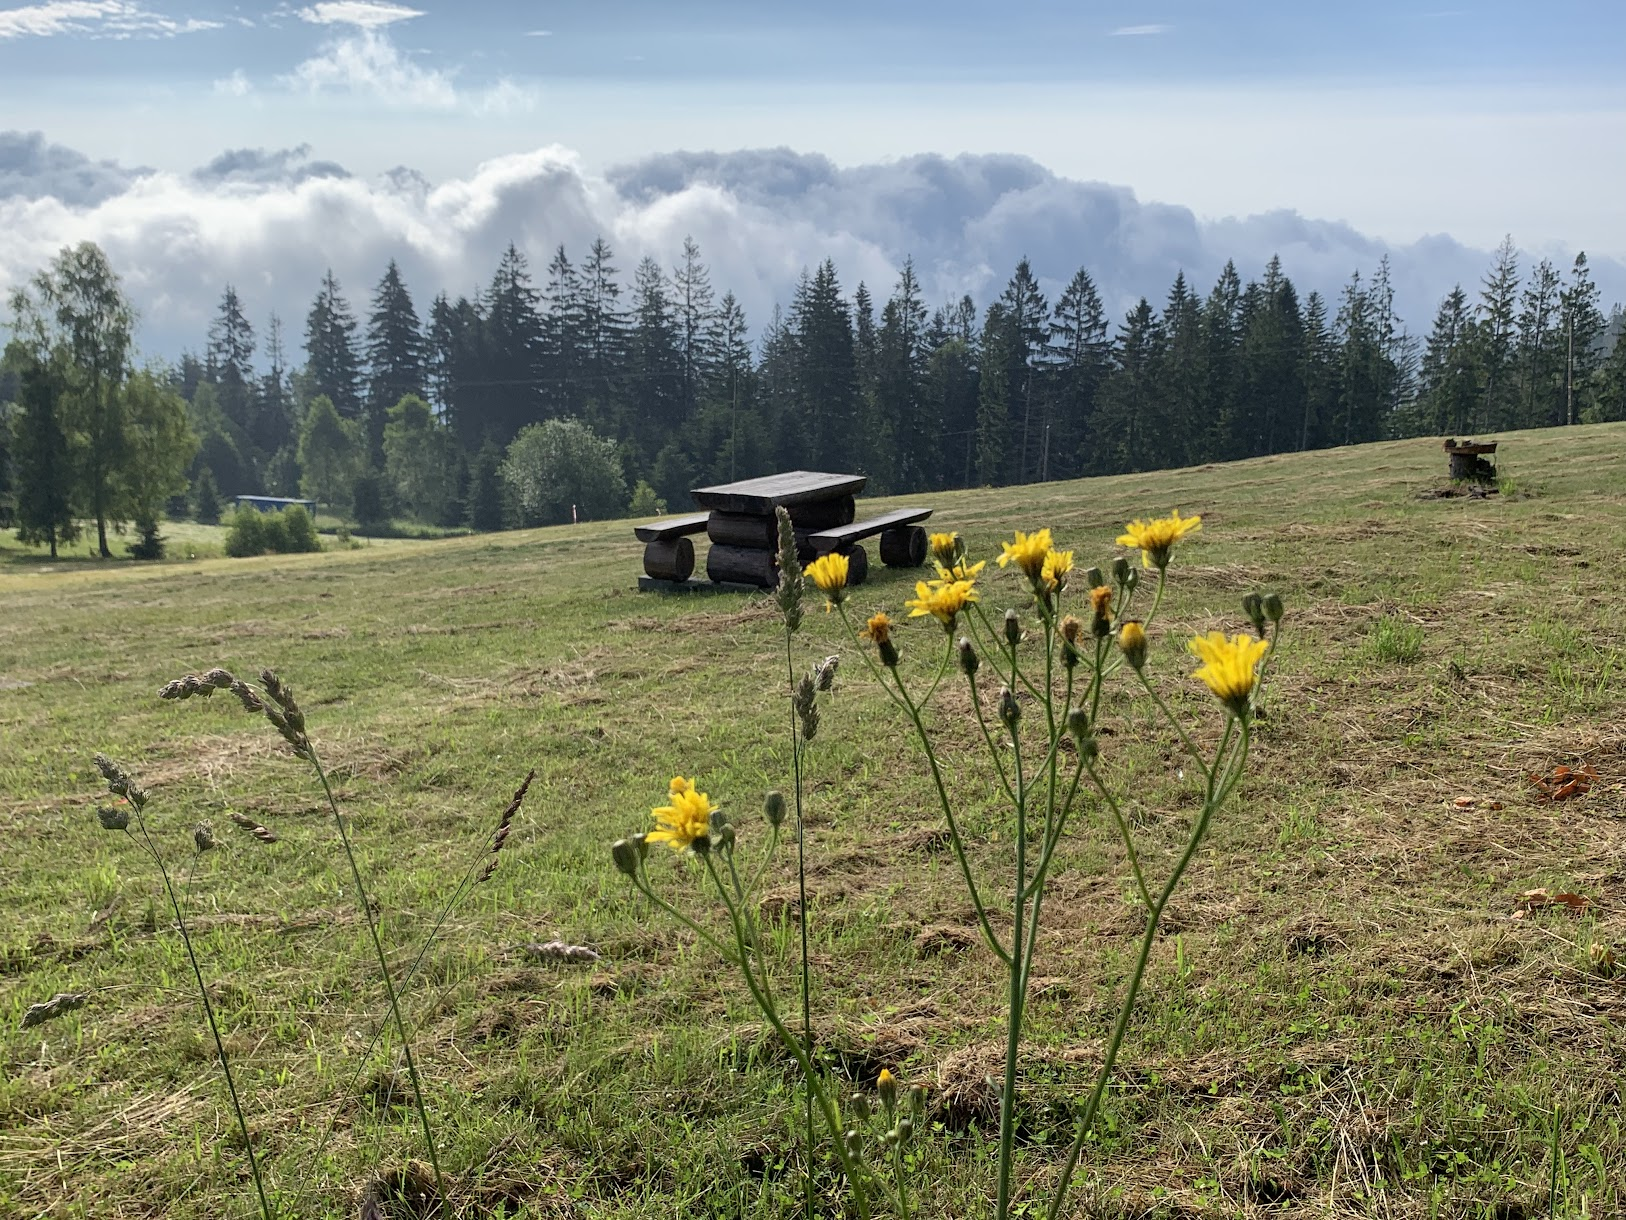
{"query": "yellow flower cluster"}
[(829, 573)]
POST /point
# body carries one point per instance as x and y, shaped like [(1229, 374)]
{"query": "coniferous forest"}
[(583, 389)]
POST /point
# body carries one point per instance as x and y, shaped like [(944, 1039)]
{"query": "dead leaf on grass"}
[(1535, 900), (1564, 782)]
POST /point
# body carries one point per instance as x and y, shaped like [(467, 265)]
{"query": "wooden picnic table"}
[(743, 528)]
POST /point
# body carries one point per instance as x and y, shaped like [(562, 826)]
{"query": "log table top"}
[(771, 491)]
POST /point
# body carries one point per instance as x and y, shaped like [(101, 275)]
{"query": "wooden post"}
[(669, 558), (904, 547)]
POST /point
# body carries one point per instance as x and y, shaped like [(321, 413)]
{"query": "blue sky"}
[(1426, 127)]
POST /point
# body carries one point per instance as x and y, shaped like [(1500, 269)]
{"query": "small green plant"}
[(285, 532), (645, 503), (1397, 640)]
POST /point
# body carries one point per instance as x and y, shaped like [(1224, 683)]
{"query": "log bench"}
[(903, 539), (668, 553)]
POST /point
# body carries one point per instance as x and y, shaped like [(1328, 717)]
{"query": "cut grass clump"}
[(1396, 640)]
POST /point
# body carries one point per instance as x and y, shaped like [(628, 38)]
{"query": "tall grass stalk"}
[(120, 783)]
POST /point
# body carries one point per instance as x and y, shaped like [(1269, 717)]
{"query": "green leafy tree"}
[(78, 324), (42, 458), (418, 459), (330, 451), (644, 502), (158, 447), (369, 502), (559, 470)]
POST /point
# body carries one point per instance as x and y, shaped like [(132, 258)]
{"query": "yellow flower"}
[(1155, 537), (943, 599), (1101, 601), (1228, 666), (679, 784), (946, 549), (829, 573), (1029, 551), (1132, 643), (1056, 566), (878, 629), (961, 570), (685, 819)]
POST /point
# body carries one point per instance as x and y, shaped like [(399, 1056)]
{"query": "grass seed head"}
[(119, 782), (113, 817), (203, 837), (789, 592)]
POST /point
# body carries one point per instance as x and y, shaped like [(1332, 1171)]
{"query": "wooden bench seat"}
[(668, 553), (671, 527), (903, 540)]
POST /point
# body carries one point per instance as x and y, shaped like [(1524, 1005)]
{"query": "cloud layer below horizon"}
[(271, 221)]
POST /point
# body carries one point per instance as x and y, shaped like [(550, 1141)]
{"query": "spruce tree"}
[(562, 389), (1179, 378), (1540, 352), (331, 358), (904, 412), (513, 348), (273, 428), (206, 498), (953, 382), (1319, 374), (1494, 333), (604, 330), (654, 397), (229, 361), (826, 388), (1027, 311), (993, 397), (697, 327), (1132, 434), (1079, 354), (1582, 323), (395, 355)]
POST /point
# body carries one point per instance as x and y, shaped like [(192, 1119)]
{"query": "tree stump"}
[(742, 565)]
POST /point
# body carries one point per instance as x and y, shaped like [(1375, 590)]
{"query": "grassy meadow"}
[(1354, 1011)]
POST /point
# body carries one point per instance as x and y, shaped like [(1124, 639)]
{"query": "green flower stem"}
[(1006, 651), (1018, 993), (955, 839), (993, 750), (898, 1178), (1052, 839), (796, 746), (642, 882), (767, 858), (208, 1012), (1126, 1010), (815, 1090), (389, 981), (1123, 834), (1185, 738)]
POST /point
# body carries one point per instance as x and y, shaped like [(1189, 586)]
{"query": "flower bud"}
[(917, 1101), (1132, 643), (1121, 570), (203, 837), (1253, 606), (1274, 609), (640, 841), (702, 845), (886, 1087), (724, 837), (1078, 727), (891, 1138), (968, 657), (1131, 579), (860, 1107), (889, 653), (1093, 577), (1009, 711), (773, 808), (906, 1129), (625, 856), (1013, 628), (855, 1142)]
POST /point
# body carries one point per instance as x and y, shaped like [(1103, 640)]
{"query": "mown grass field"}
[(1344, 1018)]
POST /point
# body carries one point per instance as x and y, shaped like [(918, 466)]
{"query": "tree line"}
[(543, 398)]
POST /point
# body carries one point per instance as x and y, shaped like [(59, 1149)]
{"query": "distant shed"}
[(273, 504)]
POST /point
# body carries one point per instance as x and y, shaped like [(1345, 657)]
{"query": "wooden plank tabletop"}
[(767, 493)]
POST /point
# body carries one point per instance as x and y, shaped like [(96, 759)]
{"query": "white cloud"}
[(235, 85), (367, 64), (1138, 31), (271, 222), (367, 14), (96, 18), (539, 33)]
